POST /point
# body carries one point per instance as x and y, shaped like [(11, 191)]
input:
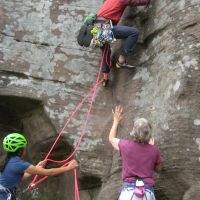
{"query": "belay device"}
[(102, 34), (139, 188)]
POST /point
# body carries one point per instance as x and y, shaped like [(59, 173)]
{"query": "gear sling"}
[(96, 32)]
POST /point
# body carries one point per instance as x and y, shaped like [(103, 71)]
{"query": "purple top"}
[(138, 160)]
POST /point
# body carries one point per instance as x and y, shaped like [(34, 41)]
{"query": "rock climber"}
[(14, 169), (112, 11), (140, 158)]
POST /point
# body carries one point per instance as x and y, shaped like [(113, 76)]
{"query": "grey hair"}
[(142, 131)]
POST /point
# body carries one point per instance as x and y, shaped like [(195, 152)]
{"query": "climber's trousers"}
[(130, 36)]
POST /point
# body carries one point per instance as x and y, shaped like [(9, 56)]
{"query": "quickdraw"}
[(102, 34)]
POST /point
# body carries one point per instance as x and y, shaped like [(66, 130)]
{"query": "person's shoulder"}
[(124, 140), (154, 148), (127, 142), (14, 159), (21, 161)]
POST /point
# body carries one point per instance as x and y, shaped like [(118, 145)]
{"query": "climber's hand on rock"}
[(152, 141), (117, 114)]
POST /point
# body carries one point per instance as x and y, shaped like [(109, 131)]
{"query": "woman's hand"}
[(152, 141), (73, 164), (42, 163), (117, 114)]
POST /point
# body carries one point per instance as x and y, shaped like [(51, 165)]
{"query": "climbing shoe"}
[(105, 82), (124, 65)]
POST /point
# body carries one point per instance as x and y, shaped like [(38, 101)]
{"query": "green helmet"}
[(13, 142)]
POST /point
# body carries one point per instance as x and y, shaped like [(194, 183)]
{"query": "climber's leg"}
[(130, 34), (106, 64)]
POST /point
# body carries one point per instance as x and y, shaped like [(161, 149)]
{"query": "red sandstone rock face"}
[(44, 74)]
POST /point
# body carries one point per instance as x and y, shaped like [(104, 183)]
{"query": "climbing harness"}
[(65, 162), (95, 32), (9, 194), (130, 191), (102, 33)]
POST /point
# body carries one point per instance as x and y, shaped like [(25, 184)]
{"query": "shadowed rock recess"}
[(44, 74)]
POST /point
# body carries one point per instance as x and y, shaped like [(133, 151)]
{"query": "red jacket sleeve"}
[(135, 2)]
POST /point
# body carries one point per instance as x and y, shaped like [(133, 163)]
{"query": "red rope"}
[(93, 91), (59, 135), (34, 182), (76, 191)]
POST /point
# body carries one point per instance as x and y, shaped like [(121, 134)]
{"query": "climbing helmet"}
[(13, 142)]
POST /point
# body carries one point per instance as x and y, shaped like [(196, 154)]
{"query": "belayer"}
[(102, 28), (14, 169), (140, 158)]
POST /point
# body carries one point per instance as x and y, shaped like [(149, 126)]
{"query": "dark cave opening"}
[(12, 110), (88, 182), (90, 185)]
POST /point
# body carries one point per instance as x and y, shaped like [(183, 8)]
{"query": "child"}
[(14, 169), (140, 158)]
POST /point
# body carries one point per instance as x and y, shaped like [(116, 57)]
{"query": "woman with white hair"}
[(140, 158)]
